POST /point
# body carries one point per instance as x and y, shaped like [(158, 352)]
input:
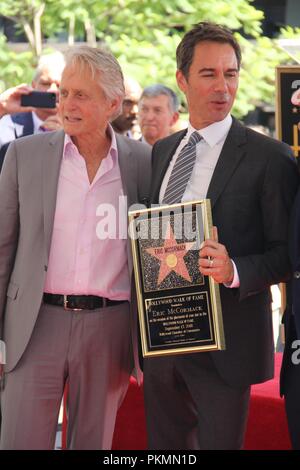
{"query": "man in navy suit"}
[(31, 121), (200, 401), (290, 371)]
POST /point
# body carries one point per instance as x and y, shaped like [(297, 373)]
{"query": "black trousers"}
[(290, 382), (189, 406)]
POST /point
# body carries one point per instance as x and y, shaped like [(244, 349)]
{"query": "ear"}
[(114, 105), (175, 118), (181, 81)]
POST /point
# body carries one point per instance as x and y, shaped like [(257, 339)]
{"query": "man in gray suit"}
[(200, 401), (65, 264)]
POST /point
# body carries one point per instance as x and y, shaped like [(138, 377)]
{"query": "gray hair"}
[(53, 61), (104, 67), (157, 90)]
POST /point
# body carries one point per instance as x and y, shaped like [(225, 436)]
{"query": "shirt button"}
[(297, 274)]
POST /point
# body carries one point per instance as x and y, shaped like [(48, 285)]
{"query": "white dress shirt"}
[(37, 122), (207, 154), (9, 130)]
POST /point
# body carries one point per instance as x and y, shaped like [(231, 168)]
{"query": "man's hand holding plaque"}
[(214, 260)]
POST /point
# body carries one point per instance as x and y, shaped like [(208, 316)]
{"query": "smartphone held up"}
[(39, 99)]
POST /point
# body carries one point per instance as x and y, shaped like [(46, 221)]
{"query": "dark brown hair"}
[(204, 32)]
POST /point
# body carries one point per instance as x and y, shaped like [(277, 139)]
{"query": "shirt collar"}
[(214, 133), (37, 122), (71, 149)]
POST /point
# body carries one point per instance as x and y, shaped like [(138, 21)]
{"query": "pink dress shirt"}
[(80, 262)]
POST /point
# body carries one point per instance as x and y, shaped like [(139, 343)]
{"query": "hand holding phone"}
[(10, 99), (52, 123)]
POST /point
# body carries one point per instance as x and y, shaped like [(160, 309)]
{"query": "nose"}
[(134, 109), (54, 88), (149, 114), (221, 85)]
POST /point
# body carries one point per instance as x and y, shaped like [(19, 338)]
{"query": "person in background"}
[(126, 123), (201, 400), (18, 121), (65, 281), (158, 112)]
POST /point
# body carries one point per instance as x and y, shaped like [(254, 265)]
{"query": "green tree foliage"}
[(144, 34), (257, 76), (15, 67), (27, 16)]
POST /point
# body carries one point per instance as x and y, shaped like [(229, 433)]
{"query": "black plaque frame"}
[(179, 313)]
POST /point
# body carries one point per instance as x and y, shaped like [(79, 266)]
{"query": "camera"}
[(39, 99)]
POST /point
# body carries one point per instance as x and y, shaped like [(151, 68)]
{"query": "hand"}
[(214, 260), (10, 100), (52, 123)]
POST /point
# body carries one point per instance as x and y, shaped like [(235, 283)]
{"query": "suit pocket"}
[(12, 290)]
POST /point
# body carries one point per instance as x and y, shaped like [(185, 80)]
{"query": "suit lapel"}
[(162, 160), (51, 167), (128, 170), (25, 121), (231, 154)]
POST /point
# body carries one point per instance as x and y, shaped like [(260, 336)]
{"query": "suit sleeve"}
[(258, 271), (9, 216), (144, 176)]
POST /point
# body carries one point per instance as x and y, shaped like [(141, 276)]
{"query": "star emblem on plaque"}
[(169, 253), (170, 258)]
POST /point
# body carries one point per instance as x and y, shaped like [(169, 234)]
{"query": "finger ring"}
[(211, 262)]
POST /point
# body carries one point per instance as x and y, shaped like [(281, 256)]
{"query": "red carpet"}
[(130, 430), (267, 426)]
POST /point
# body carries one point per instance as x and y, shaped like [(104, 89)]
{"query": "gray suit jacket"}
[(28, 188), (251, 191)]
